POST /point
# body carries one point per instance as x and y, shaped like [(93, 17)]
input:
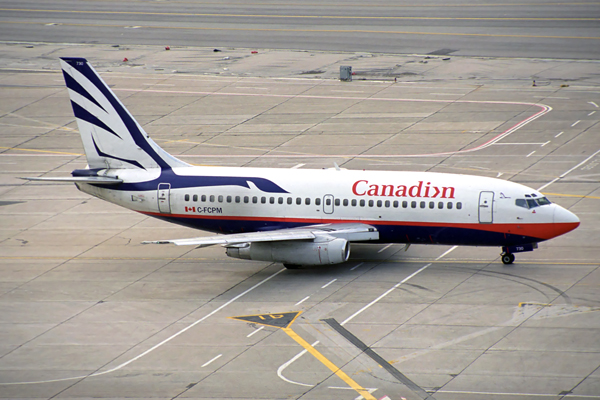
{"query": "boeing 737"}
[(293, 216)]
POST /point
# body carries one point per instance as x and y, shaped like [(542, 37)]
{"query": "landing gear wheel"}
[(507, 258), (291, 266)]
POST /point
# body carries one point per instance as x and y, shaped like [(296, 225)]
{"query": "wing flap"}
[(348, 231)]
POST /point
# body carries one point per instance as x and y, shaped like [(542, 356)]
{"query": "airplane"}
[(298, 217)]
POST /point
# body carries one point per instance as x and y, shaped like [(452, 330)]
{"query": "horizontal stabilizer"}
[(100, 180)]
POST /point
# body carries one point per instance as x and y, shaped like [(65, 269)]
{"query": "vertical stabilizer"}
[(111, 136)]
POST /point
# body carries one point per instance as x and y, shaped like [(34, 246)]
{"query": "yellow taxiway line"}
[(336, 370)]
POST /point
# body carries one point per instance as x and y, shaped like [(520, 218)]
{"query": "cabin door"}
[(486, 207), (164, 198)]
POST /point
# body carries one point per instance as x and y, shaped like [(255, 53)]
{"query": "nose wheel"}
[(507, 258)]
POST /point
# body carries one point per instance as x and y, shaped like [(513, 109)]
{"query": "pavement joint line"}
[(569, 171)]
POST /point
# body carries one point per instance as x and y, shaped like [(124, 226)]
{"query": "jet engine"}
[(333, 251)]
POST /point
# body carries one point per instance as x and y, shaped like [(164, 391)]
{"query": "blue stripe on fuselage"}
[(187, 181)]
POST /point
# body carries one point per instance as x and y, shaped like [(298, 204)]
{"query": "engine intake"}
[(334, 251)]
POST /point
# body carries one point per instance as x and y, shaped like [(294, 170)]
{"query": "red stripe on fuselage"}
[(542, 231)]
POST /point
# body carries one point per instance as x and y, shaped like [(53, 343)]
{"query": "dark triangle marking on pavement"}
[(279, 320)]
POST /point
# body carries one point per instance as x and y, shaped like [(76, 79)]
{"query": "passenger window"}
[(246, 199), (212, 198), (290, 200), (328, 201), (431, 204), (449, 205), (280, 200), (318, 201), (254, 199), (387, 204), (272, 200), (337, 202), (413, 204), (362, 203), (353, 202), (458, 205), (371, 203), (379, 203), (263, 200), (195, 197), (220, 199), (422, 204), (405, 204), (298, 200), (186, 197), (345, 202), (237, 199), (229, 199), (307, 201), (203, 198), (396, 204), (441, 205)]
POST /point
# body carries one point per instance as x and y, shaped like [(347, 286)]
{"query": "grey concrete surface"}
[(528, 28), (86, 311)]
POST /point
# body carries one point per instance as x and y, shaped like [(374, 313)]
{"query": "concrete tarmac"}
[(523, 29), (86, 311)]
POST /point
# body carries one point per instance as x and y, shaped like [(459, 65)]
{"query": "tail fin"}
[(111, 136)]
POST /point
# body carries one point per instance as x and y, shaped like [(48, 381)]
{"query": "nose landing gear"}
[(507, 258)]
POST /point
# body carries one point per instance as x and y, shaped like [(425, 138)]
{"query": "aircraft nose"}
[(563, 216)]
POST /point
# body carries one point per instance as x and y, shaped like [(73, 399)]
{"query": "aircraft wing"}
[(349, 231)]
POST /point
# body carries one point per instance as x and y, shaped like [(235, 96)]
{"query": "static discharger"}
[(283, 322)]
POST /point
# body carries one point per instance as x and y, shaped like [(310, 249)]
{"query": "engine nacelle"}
[(334, 251)]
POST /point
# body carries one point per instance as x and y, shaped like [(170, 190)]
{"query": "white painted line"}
[(518, 394), (451, 249), (592, 103), (530, 154), (548, 97), (499, 174), (151, 349), (569, 171), (397, 285), (208, 362), (385, 248), (288, 363), (356, 266), (592, 113), (579, 165), (302, 301), (324, 286), (544, 110), (558, 134), (547, 184), (256, 331), (546, 143), (298, 166), (510, 144), (575, 123)]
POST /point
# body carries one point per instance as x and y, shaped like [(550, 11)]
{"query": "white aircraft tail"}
[(111, 136)]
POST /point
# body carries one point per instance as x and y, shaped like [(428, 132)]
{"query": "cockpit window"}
[(531, 203), (542, 201)]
